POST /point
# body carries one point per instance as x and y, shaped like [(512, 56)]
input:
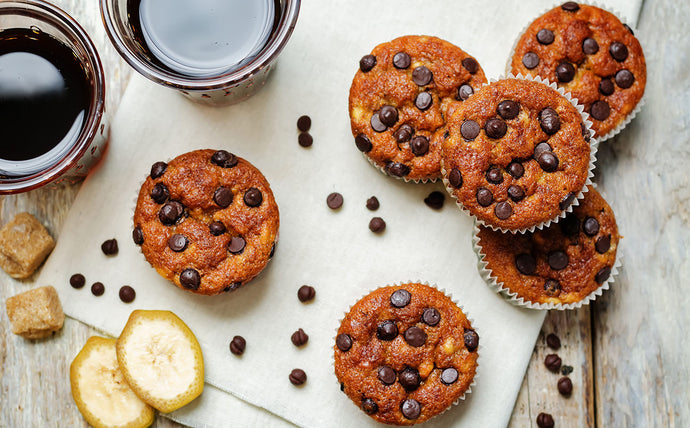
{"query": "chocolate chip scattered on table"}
[(238, 345), (298, 377), (109, 247), (299, 338), (334, 200), (306, 293), (373, 203), (377, 225), (97, 288), (127, 294)]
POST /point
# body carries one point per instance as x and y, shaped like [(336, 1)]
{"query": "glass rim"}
[(161, 76), (75, 33)]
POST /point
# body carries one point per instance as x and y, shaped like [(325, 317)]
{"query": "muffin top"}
[(207, 221), (516, 154), (399, 100), (561, 264), (405, 353), (590, 53)]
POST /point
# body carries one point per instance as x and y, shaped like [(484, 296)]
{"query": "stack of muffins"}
[(518, 155)]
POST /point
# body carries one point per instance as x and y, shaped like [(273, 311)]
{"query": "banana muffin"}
[(206, 220)]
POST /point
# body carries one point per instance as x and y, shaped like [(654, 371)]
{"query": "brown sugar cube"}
[(24, 244), (35, 313)]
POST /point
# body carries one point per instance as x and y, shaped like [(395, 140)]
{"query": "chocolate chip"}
[(387, 330), (470, 65), (306, 293), (606, 87), (343, 342), (516, 169), (565, 72), (618, 51), (253, 197), (553, 341), (548, 161), (299, 338), (552, 287), (545, 420), (558, 259), (403, 133), (160, 193), (367, 63), (77, 280), (508, 109), (376, 123), (602, 275), (369, 406), (415, 336), (627, 27), (409, 379), (624, 79), (170, 212), (304, 122), (484, 196), (158, 169), (545, 37), (305, 139), (127, 294), (137, 236), (388, 115), (570, 225), (549, 120), (401, 60), (217, 228), (373, 203), (411, 409), (530, 60), (273, 249), (435, 200), (566, 201), (109, 247), (236, 245), (494, 175), (238, 345), (566, 370), (516, 193), (553, 362), (590, 226), (422, 76), (233, 286), (363, 144), (97, 288), (397, 169), (423, 101), (603, 244), (400, 298), (600, 110), (431, 316), (455, 178), (177, 242), (565, 386), (471, 339), (526, 263), (449, 376), (419, 145), (541, 148), (585, 131), (464, 92), (469, 130), (298, 377), (570, 6), (386, 375), (190, 279), (495, 128), (377, 225), (503, 210), (590, 46), (224, 159), (223, 197)]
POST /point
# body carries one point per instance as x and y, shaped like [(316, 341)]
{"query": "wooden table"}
[(629, 350)]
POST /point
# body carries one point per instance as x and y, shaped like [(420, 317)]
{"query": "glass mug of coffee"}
[(52, 98), (215, 52)]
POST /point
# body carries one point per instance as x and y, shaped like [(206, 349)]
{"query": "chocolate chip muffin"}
[(590, 53), (400, 97), (405, 353), (562, 265), (206, 221), (516, 154)]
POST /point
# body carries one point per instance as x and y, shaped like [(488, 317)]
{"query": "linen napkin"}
[(334, 251)]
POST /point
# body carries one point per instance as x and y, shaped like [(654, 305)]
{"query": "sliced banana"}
[(100, 391), (161, 359)]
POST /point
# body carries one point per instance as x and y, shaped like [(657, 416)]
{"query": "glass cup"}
[(226, 88), (66, 162)]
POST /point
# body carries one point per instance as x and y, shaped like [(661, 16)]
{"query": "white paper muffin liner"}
[(462, 309), (593, 144), (512, 297), (630, 116), (405, 179)]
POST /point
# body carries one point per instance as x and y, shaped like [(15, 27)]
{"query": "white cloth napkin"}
[(334, 251)]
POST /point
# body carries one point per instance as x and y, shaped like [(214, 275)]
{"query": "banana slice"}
[(100, 391), (161, 359)]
